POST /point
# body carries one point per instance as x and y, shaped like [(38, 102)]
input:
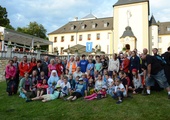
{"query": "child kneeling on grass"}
[(119, 91), (48, 97), (80, 91), (42, 88), (97, 95)]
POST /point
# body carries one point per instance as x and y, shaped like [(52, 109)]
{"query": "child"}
[(52, 81), (109, 81), (48, 97), (90, 68), (85, 80), (65, 86), (42, 88), (124, 80), (119, 91), (67, 72), (91, 86), (96, 73), (77, 79), (61, 80), (137, 82), (72, 83), (115, 75), (97, 95), (42, 77), (79, 92)]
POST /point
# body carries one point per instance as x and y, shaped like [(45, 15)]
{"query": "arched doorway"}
[(127, 46)]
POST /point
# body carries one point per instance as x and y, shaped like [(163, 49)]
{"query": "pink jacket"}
[(42, 86), (10, 71)]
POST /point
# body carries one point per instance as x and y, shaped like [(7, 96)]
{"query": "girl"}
[(67, 72), (42, 88), (98, 95), (137, 82), (25, 85), (115, 75), (90, 68), (51, 67), (99, 83), (34, 78), (10, 72), (98, 65), (52, 82), (61, 80), (72, 82), (42, 77), (48, 97)]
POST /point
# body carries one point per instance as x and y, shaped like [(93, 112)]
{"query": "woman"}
[(113, 64), (42, 77), (125, 64), (98, 65), (52, 81), (25, 85), (99, 83), (51, 67), (10, 72), (33, 62), (34, 78), (60, 68)]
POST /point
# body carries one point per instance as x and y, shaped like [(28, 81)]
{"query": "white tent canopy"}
[(23, 39)]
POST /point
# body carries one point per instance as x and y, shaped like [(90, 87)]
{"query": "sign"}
[(89, 46)]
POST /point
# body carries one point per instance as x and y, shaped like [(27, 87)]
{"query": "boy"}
[(65, 86)]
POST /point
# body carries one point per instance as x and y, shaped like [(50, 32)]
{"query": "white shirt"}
[(65, 87), (109, 82), (60, 82), (113, 65), (75, 74), (120, 87)]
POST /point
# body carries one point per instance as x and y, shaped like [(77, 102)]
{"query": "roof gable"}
[(124, 2)]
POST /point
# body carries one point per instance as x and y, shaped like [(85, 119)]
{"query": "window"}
[(55, 39), (98, 36), (72, 38), (80, 37), (73, 27), (94, 25), (83, 26), (106, 24), (108, 35), (89, 36), (168, 28), (159, 40), (160, 50), (61, 50), (62, 38)]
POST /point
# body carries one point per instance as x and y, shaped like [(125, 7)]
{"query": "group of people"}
[(89, 77)]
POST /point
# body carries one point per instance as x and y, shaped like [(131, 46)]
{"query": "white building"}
[(129, 28)]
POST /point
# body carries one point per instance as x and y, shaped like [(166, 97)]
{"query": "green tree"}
[(35, 29), (4, 21)]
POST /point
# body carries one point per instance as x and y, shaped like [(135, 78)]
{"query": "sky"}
[(53, 14)]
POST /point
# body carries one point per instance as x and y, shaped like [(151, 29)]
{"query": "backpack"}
[(166, 57), (161, 60)]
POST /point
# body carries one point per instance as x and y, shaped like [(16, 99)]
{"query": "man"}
[(83, 64), (71, 65), (24, 67), (45, 65), (155, 72), (77, 73), (145, 51), (166, 57), (38, 67)]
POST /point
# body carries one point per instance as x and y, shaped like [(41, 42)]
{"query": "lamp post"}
[(68, 52), (38, 51)]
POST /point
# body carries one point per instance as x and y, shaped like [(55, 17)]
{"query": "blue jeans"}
[(118, 94), (159, 77)]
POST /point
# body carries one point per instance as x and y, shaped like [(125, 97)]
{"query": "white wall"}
[(165, 42)]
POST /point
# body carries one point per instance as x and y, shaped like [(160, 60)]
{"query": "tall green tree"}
[(4, 21)]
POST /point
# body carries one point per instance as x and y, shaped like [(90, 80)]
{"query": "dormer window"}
[(73, 27), (83, 26), (94, 25), (106, 24)]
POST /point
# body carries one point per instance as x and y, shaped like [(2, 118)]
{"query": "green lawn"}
[(153, 107)]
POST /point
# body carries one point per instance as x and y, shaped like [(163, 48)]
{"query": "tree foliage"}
[(4, 21)]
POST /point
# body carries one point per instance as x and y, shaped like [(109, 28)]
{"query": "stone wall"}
[(3, 64)]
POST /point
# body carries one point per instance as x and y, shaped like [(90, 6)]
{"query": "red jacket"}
[(24, 67), (59, 68), (125, 65)]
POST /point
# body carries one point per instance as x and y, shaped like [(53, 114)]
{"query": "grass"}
[(153, 107)]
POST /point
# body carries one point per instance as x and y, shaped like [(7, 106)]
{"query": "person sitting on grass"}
[(79, 92), (137, 82), (91, 86), (97, 95), (25, 86), (42, 77), (48, 97), (52, 81), (42, 88), (65, 86), (119, 92), (61, 80)]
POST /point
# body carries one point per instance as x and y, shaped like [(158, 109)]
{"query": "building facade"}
[(130, 27)]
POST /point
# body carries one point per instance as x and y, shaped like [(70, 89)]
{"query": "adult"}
[(145, 51), (134, 62), (16, 64), (83, 64), (10, 73), (77, 73), (166, 57), (77, 60), (71, 65), (24, 67), (51, 66), (104, 63), (90, 68), (125, 64), (99, 83), (38, 67), (155, 72), (60, 67), (33, 62), (113, 64), (45, 64)]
